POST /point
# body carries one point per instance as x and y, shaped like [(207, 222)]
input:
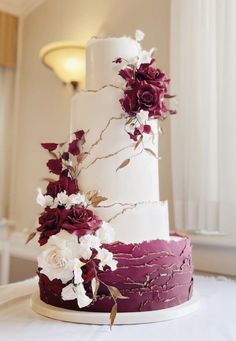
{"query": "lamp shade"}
[(66, 59)]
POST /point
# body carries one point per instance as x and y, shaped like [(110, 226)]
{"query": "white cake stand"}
[(122, 318)]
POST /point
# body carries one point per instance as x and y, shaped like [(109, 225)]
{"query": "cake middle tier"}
[(133, 206)]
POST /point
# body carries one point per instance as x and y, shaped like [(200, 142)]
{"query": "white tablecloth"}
[(214, 321)]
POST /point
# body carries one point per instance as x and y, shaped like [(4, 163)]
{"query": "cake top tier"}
[(101, 53)]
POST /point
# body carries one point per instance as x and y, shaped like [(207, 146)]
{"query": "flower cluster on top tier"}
[(146, 88)]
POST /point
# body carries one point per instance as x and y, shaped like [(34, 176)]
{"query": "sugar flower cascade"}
[(70, 234)]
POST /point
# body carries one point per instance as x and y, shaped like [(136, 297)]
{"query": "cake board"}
[(85, 317)]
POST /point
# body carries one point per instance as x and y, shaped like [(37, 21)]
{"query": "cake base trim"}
[(86, 317)]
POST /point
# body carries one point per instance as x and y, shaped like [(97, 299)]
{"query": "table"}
[(214, 321)]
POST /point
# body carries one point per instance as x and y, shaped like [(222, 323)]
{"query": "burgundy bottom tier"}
[(153, 275)]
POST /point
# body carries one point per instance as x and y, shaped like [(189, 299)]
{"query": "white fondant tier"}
[(100, 54), (134, 188)]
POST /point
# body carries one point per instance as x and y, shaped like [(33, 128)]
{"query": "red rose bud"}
[(74, 147), (55, 166), (147, 128), (49, 146)]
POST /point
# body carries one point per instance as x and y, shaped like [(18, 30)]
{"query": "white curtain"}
[(203, 133), (6, 112)]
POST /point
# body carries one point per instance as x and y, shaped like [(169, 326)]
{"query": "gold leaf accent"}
[(30, 237), (151, 152), (95, 286), (82, 157), (97, 199), (129, 121), (138, 143), (113, 314), (91, 194), (116, 292), (123, 164)]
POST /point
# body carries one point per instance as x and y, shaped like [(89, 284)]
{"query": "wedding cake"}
[(104, 232)]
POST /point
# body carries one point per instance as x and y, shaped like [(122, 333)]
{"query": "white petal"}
[(82, 299), (68, 293), (106, 233), (77, 271)]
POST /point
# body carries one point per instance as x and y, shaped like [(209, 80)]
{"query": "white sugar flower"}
[(56, 260), (90, 241), (106, 233), (139, 35), (61, 199), (145, 56), (84, 251), (77, 271), (106, 258), (44, 200), (142, 116), (71, 292), (76, 199)]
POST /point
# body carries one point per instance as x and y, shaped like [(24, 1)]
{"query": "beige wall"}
[(43, 111)]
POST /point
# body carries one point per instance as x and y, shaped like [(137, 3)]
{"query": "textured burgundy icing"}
[(153, 275)]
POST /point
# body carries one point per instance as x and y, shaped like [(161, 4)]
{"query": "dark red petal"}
[(49, 146), (55, 166), (79, 134), (74, 148)]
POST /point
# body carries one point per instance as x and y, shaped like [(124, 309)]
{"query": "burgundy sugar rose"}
[(150, 98), (55, 166), (129, 102), (152, 75), (63, 184), (50, 222), (81, 221)]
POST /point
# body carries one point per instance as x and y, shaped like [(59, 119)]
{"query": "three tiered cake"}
[(104, 233)]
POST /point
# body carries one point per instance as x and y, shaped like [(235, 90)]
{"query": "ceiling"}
[(19, 7)]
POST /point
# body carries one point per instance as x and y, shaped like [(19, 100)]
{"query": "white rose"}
[(57, 257), (106, 233), (56, 261)]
